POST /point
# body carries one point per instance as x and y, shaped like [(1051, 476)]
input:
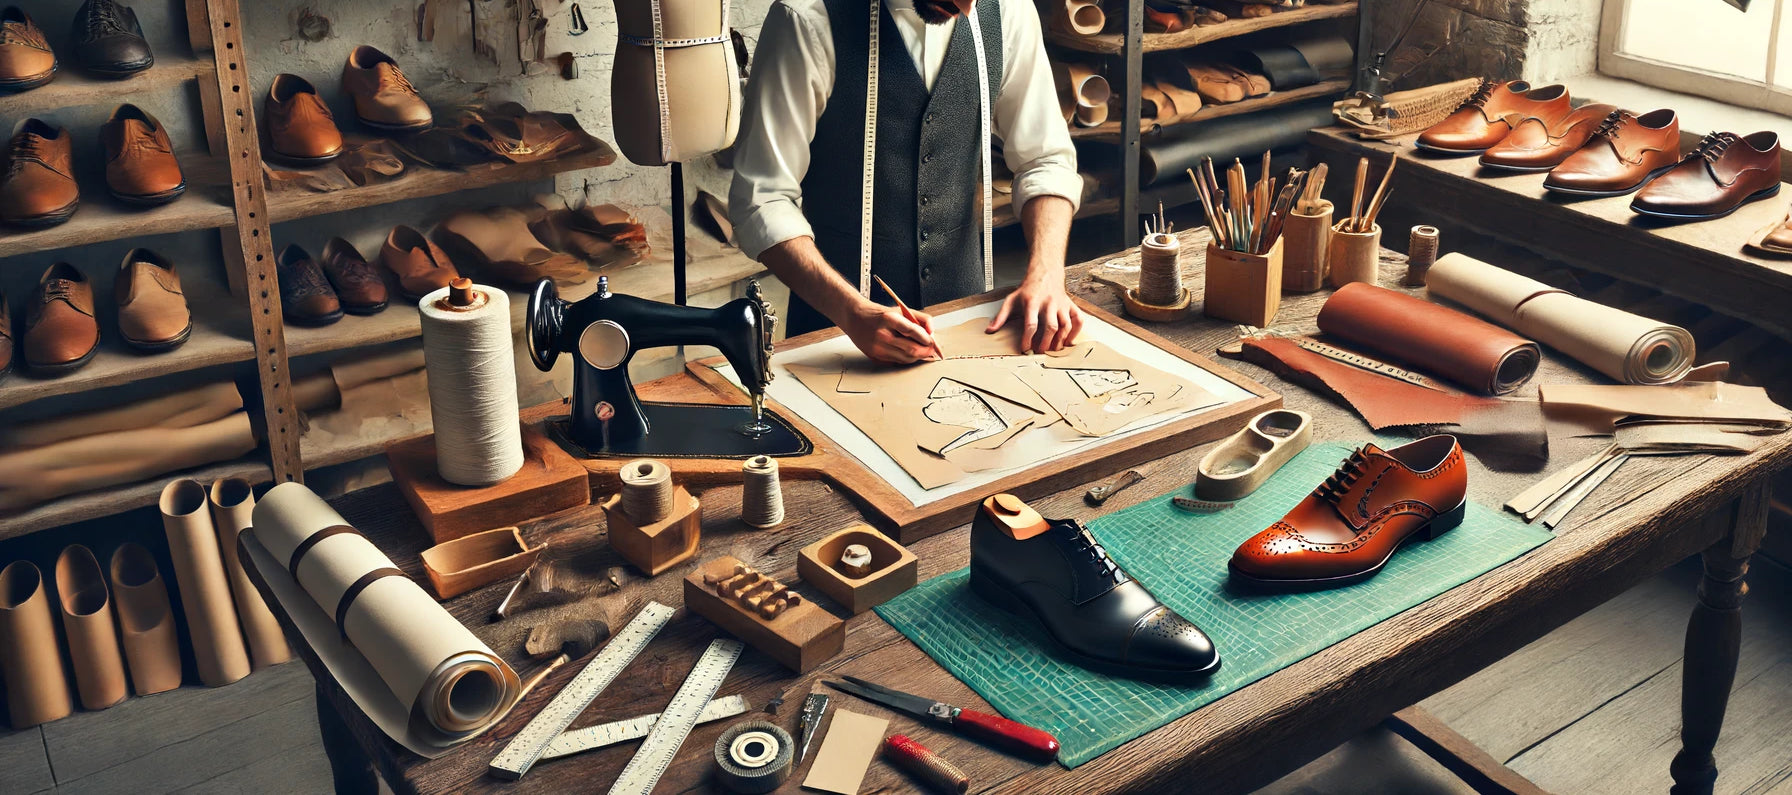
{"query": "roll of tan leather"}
[(430, 664), (700, 82), (232, 502), (183, 409), (30, 659), (92, 635), (1436, 339), (1630, 348), (145, 620), (33, 476), (205, 597)]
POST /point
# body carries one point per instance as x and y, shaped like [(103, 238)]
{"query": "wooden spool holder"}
[(1354, 256), (894, 569), (1307, 240), (1243, 288), (801, 637), (550, 481), (654, 548)]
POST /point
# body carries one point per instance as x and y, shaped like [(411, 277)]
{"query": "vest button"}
[(928, 119), (927, 158), (926, 273), (923, 235), (923, 201)]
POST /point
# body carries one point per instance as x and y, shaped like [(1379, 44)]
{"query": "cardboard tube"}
[(204, 589), (183, 409), (1081, 17), (1082, 94), (30, 659), (85, 464), (232, 502), (145, 621), (1308, 238), (1353, 256), (92, 636)]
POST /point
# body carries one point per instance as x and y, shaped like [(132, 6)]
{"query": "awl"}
[(995, 730)]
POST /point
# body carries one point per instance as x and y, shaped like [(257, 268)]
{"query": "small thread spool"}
[(1421, 252), (1160, 270), (762, 498), (646, 490)]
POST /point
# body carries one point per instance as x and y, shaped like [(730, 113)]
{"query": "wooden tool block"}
[(458, 566), (1243, 288), (894, 569), (659, 546), (800, 637), (549, 482)]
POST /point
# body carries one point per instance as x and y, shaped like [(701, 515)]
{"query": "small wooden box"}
[(549, 482), (1243, 288), (659, 546), (473, 561), (801, 638), (894, 569)]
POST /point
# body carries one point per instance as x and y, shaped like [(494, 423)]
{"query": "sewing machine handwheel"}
[(543, 322)]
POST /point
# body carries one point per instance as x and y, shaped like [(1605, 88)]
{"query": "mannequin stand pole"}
[(678, 247)]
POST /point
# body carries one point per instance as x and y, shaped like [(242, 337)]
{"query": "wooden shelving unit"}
[(421, 181), (1110, 131), (73, 87), (1115, 43)]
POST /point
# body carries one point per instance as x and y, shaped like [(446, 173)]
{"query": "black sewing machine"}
[(603, 332)]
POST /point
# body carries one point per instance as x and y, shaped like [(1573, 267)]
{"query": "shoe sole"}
[(48, 219), (303, 162), (1002, 599), (1440, 524), (119, 71), (365, 309), (1519, 169), (163, 345), (1756, 196), (314, 322), (151, 199), (64, 368), (398, 128), (1442, 151), (1606, 194), (17, 84)]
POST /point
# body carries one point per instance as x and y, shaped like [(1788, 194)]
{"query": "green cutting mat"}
[(1181, 558)]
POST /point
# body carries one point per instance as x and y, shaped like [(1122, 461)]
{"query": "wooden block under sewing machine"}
[(800, 635), (549, 482)]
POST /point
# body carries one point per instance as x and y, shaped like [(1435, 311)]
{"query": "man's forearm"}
[(799, 265), (1046, 220)]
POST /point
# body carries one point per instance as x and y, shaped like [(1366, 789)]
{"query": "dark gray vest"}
[(927, 242)]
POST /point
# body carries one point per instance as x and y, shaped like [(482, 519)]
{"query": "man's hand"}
[(883, 334), (1049, 320)]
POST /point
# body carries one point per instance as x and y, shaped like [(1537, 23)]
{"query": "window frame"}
[(1731, 89)]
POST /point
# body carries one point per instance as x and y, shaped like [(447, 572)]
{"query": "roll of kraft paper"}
[(145, 621), (30, 660), (91, 631), (417, 672), (218, 648), (1627, 347), (1439, 340), (471, 361)]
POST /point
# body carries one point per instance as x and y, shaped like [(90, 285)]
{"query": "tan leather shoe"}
[(1541, 143), (300, 127), (140, 163), (1627, 151), (306, 297), (152, 309), (39, 187), (358, 284), (6, 344), (384, 98), (421, 266), (26, 60), (498, 243), (61, 332), (1487, 116)]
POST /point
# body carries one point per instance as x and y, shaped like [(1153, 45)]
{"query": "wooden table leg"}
[(1713, 642), (349, 765)]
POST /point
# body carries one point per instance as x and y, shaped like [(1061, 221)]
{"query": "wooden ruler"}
[(526, 747), (594, 737), (675, 724)]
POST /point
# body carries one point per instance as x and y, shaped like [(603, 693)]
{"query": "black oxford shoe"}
[(1055, 571)]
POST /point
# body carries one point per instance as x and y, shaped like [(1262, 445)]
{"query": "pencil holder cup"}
[(1353, 256), (1243, 288), (1306, 238)]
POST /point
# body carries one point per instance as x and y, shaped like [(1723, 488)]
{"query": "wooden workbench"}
[(1654, 512)]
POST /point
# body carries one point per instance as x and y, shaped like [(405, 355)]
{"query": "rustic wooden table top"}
[(1646, 518)]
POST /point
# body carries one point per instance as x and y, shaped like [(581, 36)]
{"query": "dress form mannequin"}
[(696, 109)]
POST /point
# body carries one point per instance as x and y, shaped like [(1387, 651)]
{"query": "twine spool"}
[(646, 490), (1160, 270), (1421, 252), (762, 499), (468, 354)]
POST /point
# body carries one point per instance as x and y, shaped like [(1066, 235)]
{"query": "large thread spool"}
[(646, 490), (1421, 252), (468, 354), (1160, 270), (762, 498)]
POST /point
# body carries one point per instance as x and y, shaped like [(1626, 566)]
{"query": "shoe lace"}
[(1612, 122), (392, 77), (27, 148), (104, 18), (17, 33), (1090, 551), (1482, 93), (59, 288), (1335, 487), (1712, 146)]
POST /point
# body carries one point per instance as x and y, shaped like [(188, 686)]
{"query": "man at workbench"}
[(797, 202)]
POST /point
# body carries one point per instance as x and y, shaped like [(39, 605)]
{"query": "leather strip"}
[(355, 588), (639, 41), (298, 552)]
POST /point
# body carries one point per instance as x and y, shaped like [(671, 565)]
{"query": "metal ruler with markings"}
[(594, 737), (525, 749), (675, 724), (1353, 359)]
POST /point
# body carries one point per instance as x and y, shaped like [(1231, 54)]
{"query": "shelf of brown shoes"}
[(1110, 43), (99, 217)]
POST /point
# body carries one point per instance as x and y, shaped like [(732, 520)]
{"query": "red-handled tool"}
[(921, 762), (994, 730)]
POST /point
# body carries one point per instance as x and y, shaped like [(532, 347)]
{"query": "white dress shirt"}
[(793, 76)]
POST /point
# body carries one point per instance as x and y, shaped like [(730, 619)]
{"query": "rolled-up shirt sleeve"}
[(1035, 139), (789, 87)]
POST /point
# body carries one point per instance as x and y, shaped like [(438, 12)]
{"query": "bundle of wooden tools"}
[(755, 591), (1362, 220), (1248, 218)]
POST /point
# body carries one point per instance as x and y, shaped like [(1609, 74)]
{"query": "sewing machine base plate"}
[(694, 430)]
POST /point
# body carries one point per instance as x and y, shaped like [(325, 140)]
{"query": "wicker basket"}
[(1403, 112)]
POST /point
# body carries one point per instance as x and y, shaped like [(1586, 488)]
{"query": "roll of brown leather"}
[(1442, 341), (30, 659)]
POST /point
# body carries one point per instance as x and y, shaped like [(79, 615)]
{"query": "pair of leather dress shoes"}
[(301, 129), (317, 292), (39, 188), (105, 37), (62, 329)]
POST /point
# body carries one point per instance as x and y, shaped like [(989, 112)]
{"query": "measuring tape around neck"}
[(868, 173)]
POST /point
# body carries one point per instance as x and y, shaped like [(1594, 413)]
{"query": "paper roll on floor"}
[(218, 649), (419, 673), (92, 635), (145, 620), (1436, 339), (232, 502), (30, 659), (471, 361), (1627, 347)]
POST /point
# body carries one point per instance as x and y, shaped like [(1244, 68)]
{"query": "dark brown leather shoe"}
[(1487, 116), (6, 344), (306, 298), (1542, 143), (359, 286), (152, 309), (301, 128), (384, 98), (26, 60), (61, 332), (108, 41), (39, 187), (421, 265), (1626, 151), (1723, 172), (140, 163)]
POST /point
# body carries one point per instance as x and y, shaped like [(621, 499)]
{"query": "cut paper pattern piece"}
[(1096, 383)]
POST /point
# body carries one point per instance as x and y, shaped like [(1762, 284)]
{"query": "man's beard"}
[(939, 12)]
